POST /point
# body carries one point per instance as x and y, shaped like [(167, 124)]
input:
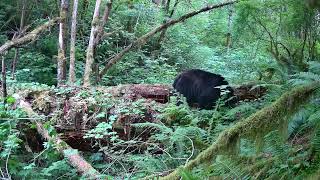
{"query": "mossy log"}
[(73, 114), (69, 153), (255, 126)]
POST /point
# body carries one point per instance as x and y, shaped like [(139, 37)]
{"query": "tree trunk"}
[(105, 18), (90, 49), (72, 73), (14, 63), (82, 14), (4, 80), (19, 33), (167, 18), (61, 76), (229, 37), (143, 39)]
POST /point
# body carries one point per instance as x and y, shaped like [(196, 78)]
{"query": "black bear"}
[(203, 89)]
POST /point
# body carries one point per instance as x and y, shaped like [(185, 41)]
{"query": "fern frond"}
[(159, 127), (228, 168), (315, 141), (276, 146), (314, 66), (314, 119), (309, 76), (304, 78)]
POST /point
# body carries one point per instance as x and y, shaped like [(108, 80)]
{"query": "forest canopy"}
[(103, 89)]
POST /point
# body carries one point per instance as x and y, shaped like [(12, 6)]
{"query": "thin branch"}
[(143, 39)]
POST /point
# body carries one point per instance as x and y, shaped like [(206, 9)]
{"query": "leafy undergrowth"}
[(176, 135)]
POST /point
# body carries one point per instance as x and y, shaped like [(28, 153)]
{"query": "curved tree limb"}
[(31, 36), (143, 39), (266, 120)]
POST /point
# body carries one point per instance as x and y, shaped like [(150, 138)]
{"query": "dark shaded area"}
[(202, 89)]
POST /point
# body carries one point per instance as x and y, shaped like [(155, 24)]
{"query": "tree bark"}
[(229, 37), (14, 63), (105, 18), (31, 36), (143, 39), (90, 48), (4, 80), (72, 73), (61, 75), (101, 34), (19, 33)]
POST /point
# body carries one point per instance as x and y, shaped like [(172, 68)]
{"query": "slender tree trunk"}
[(229, 37), (4, 80), (90, 48), (100, 35), (61, 76), (168, 17), (14, 63), (72, 73), (105, 18), (19, 33)]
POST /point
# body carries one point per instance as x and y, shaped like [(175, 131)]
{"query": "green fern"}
[(275, 145), (307, 77), (314, 66), (228, 168)]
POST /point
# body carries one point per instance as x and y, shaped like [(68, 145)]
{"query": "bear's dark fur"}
[(202, 89)]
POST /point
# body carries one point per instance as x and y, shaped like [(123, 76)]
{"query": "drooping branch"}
[(257, 125), (143, 39), (68, 152), (31, 36)]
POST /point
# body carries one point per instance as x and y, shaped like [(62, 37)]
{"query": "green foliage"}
[(199, 42), (101, 131), (36, 67)]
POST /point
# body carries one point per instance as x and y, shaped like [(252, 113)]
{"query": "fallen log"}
[(69, 153), (75, 115)]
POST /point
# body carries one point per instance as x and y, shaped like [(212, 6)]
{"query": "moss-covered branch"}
[(257, 125), (31, 36)]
